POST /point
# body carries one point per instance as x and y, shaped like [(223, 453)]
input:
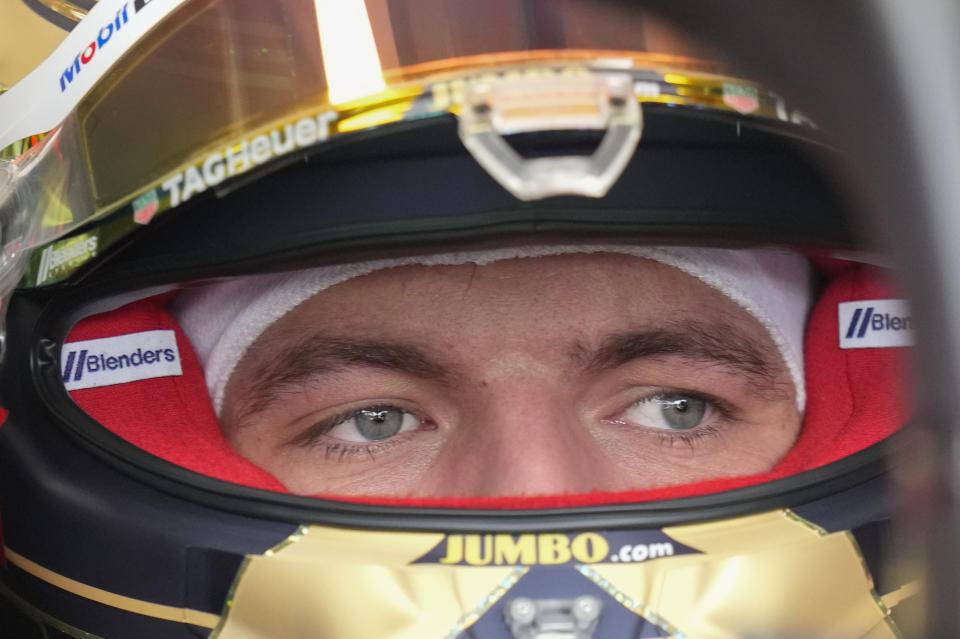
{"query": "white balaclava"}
[(223, 320)]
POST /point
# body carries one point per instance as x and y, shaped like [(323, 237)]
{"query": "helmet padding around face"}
[(856, 398)]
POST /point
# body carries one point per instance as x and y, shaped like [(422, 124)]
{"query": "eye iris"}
[(379, 423), (683, 413)]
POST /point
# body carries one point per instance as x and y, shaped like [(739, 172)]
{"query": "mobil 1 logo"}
[(117, 360), (875, 324)]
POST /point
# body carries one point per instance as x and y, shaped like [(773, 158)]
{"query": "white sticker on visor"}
[(117, 360), (42, 99), (875, 324)]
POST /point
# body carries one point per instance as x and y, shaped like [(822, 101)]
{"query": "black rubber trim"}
[(696, 174), (23, 620)]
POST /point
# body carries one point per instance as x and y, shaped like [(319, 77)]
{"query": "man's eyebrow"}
[(716, 342), (294, 365)]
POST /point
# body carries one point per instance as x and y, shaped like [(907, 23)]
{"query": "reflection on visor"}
[(261, 60), (172, 120)]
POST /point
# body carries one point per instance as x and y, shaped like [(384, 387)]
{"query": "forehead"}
[(572, 295)]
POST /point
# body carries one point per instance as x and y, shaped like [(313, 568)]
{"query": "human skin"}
[(529, 376)]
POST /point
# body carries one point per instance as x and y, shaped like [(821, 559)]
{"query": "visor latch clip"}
[(496, 107), (553, 618)]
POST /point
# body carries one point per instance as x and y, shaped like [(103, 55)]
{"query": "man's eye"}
[(373, 424), (668, 412)]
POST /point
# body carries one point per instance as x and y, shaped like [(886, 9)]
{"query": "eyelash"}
[(340, 451), (692, 438), (726, 413)]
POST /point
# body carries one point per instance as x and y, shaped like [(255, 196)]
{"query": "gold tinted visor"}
[(219, 88), (216, 70)]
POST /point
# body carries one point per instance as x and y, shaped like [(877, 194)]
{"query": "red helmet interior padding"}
[(855, 398), (170, 417)]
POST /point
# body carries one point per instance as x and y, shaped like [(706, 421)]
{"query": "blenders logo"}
[(104, 35), (66, 255), (875, 324), (121, 359)]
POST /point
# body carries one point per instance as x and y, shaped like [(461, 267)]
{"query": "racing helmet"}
[(191, 159)]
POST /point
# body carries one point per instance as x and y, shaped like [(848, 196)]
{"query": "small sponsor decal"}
[(646, 89), (741, 97), (875, 324), (117, 360), (145, 207), (65, 256), (251, 152), (551, 549), (104, 34)]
